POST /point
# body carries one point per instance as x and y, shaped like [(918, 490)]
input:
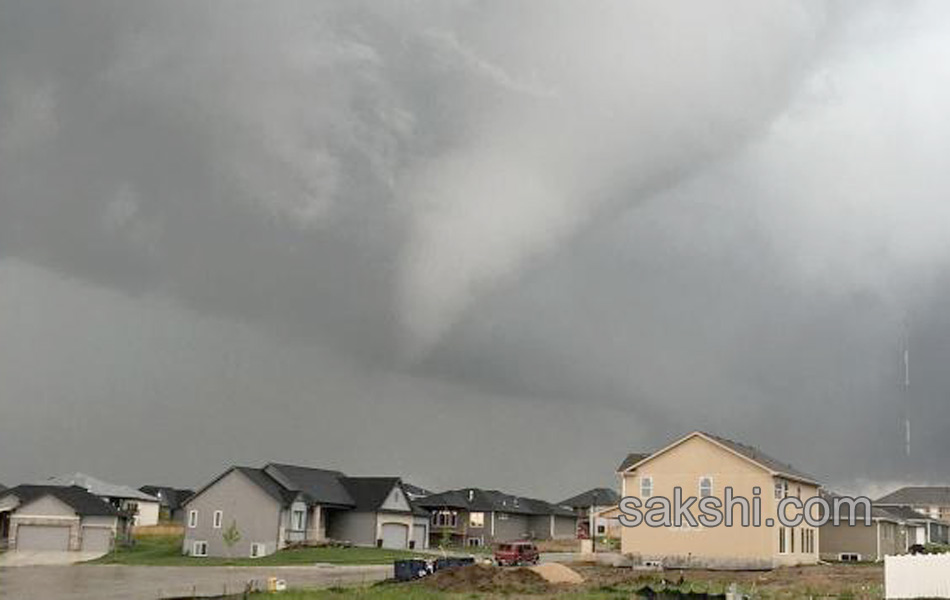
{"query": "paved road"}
[(114, 582)]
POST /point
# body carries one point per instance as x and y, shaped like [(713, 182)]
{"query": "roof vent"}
[(471, 495)]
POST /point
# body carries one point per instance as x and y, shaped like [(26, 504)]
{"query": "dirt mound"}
[(557, 573), (487, 578)]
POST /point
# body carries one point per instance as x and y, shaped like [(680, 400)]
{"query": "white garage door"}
[(419, 535), (96, 539), (395, 535), (42, 538)]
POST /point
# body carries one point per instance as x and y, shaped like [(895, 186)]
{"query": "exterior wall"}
[(256, 514), (514, 527), (843, 539), (352, 526), (46, 510), (565, 527), (147, 513), (422, 542), (723, 547)]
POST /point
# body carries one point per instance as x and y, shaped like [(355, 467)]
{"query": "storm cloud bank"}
[(704, 214)]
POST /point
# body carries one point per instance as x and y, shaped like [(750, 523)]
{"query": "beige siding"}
[(739, 547)]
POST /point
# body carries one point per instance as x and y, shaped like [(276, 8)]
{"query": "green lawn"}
[(166, 551)]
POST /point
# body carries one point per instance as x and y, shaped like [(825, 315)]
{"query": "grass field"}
[(166, 551), (839, 582)]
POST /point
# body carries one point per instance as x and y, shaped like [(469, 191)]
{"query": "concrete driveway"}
[(117, 582), (27, 558)]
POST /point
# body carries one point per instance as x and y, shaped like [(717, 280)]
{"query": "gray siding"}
[(352, 526), (860, 539), (513, 528), (256, 513), (565, 527)]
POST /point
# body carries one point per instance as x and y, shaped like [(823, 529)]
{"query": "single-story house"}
[(281, 505), (590, 505), (142, 507), (702, 464), (170, 501), (887, 535), (476, 517), (43, 518), (930, 501)]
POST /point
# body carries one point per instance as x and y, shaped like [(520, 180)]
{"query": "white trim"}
[(645, 479), (724, 447), (194, 548), (217, 519), (712, 486), (192, 519)]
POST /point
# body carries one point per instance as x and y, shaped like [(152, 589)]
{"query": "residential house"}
[(281, 505), (590, 505), (142, 507), (48, 518), (702, 464), (170, 500), (888, 534), (931, 501), (476, 517)]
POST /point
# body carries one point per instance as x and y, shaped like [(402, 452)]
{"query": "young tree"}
[(231, 536)]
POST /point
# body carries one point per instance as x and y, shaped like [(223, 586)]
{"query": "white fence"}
[(917, 576)]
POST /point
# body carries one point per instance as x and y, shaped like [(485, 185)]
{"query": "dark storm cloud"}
[(685, 215)]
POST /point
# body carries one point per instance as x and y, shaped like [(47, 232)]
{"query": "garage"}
[(395, 535), (96, 539), (42, 538), (419, 536)]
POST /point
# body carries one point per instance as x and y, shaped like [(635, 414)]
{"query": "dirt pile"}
[(557, 573), (486, 578)]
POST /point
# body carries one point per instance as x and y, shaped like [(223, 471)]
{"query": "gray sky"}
[(471, 242)]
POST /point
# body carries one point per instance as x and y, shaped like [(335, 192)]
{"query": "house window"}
[(192, 519), (849, 557), (791, 540), (445, 518), (216, 520), (502, 516), (476, 519), (781, 541), (474, 541), (646, 486), (705, 487), (258, 550), (601, 529), (298, 520), (781, 489), (199, 548)]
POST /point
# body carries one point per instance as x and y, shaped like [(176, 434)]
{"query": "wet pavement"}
[(116, 582)]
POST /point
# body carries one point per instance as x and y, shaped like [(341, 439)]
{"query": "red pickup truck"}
[(516, 553)]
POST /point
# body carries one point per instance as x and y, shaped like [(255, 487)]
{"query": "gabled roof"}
[(751, 453), (78, 499), (594, 497), (918, 496), (369, 493), (98, 487), (414, 491), (170, 497), (320, 486), (907, 513), (478, 500)]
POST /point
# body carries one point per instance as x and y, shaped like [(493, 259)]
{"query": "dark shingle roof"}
[(918, 496), (81, 501), (906, 513), (318, 485), (594, 497), (753, 453), (170, 497), (631, 459), (369, 493), (478, 500), (415, 491)]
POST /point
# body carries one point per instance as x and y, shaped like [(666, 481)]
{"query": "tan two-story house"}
[(702, 464)]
